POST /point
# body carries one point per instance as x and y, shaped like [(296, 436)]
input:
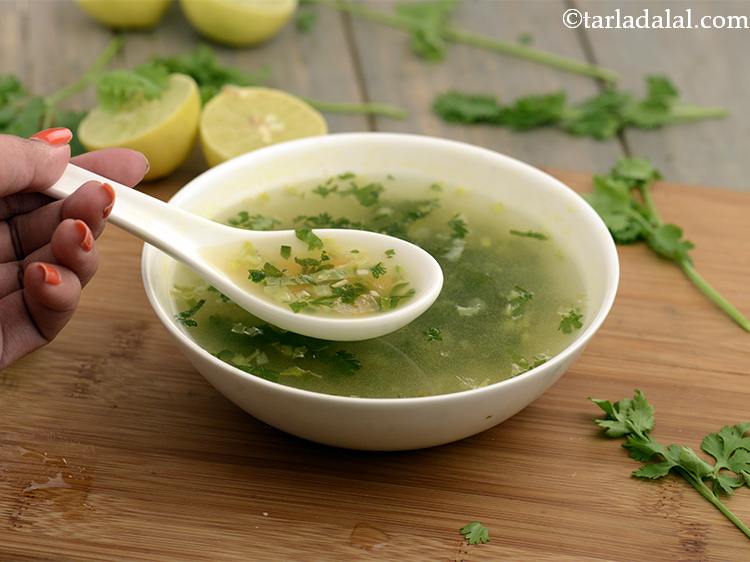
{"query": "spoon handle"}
[(146, 217)]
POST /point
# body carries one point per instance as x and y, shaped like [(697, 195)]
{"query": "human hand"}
[(47, 248)]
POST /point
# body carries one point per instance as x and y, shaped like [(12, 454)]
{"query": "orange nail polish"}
[(111, 195), (87, 240), (56, 136), (51, 275)]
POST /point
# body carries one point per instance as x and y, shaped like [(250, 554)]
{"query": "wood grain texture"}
[(393, 74), (709, 67), (158, 466)]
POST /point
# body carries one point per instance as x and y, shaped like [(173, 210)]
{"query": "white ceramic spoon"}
[(188, 237)]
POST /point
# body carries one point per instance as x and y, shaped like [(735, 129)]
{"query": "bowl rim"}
[(611, 267)]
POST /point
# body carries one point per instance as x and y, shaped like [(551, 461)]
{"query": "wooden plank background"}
[(159, 466), (347, 59)]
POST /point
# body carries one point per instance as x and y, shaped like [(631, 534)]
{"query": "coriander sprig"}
[(633, 419), (600, 117), (623, 199), (148, 80), (428, 26), (23, 113)]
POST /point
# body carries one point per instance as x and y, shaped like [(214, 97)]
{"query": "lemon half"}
[(238, 22), (239, 120), (163, 129), (126, 14)]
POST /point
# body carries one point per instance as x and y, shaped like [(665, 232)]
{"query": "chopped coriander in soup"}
[(321, 279), (511, 298)]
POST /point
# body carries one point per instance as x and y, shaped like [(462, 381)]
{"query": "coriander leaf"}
[(271, 270), (666, 240), (516, 302), (210, 75), (570, 320), (285, 252), (627, 416), (346, 361), (654, 470), (434, 334), (643, 448), (10, 89), (24, 117), (367, 195), (325, 190), (612, 201), (256, 275), (458, 227), (297, 306), (636, 170), (529, 234), (120, 89), (245, 220), (308, 237), (378, 270), (306, 20), (693, 463), (457, 107), (731, 449), (390, 253), (531, 112), (428, 19), (475, 533), (599, 117), (186, 316)]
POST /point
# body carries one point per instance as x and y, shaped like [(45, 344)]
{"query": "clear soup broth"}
[(511, 299)]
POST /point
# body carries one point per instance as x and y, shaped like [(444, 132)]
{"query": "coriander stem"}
[(682, 113), (713, 295), (529, 53), (51, 101), (456, 35), (648, 200), (717, 503), (379, 109)]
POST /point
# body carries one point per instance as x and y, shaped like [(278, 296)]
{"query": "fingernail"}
[(87, 240), (111, 195), (51, 275), (56, 136), (148, 164)]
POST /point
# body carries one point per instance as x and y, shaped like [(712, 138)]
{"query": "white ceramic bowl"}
[(393, 423)]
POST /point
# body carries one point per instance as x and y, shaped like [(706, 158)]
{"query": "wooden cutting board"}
[(113, 447)]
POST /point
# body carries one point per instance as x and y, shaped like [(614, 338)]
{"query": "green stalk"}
[(716, 502), (713, 295), (456, 35), (648, 201), (529, 53), (690, 272), (379, 109), (53, 100), (684, 113)]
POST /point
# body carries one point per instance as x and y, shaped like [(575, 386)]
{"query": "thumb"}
[(33, 164)]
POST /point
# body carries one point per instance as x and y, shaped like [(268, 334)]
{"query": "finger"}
[(33, 165), (11, 276), (120, 164), (31, 317), (51, 293), (73, 247), (20, 203), (91, 203)]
